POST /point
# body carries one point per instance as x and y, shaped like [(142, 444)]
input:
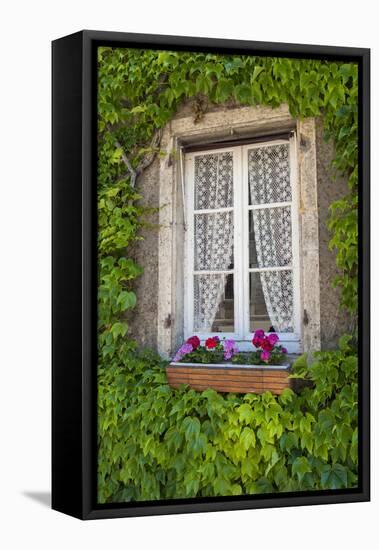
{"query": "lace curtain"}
[(213, 234), (269, 182)]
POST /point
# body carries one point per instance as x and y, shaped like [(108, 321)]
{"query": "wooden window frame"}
[(241, 270)]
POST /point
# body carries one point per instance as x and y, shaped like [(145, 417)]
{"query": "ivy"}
[(158, 443)]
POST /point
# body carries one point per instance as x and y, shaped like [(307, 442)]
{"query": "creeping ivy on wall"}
[(138, 92), (160, 443)]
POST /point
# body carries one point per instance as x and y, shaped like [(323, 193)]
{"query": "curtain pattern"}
[(213, 234), (269, 182)]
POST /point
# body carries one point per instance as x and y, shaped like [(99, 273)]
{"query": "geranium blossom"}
[(265, 355), (257, 341), (273, 338), (258, 338), (230, 349), (211, 343), (194, 341), (266, 345), (182, 351)]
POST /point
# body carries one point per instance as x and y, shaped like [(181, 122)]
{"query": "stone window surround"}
[(227, 123)]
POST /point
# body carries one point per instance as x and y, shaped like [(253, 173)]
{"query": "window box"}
[(228, 377)]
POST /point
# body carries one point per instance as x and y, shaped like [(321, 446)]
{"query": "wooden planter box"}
[(227, 377)]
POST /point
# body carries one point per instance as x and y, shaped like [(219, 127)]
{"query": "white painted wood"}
[(295, 237), (237, 243), (214, 272), (259, 145), (213, 210), (263, 269), (245, 252), (231, 366), (241, 271), (189, 247), (270, 205)]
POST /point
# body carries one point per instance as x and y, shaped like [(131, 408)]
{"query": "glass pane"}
[(271, 301), (270, 237), (213, 303), (214, 180), (269, 174), (214, 241)]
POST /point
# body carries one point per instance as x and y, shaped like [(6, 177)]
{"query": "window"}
[(241, 249)]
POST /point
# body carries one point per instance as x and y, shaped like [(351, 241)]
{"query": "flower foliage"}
[(160, 443), (215, 350)]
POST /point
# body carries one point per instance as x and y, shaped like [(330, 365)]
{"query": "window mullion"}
[(295, 236), (245, 283), (189, 248), (238, 299)]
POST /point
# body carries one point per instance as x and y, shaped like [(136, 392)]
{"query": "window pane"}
[(214, 180), (214, 241), (213, 303), (270, 237), (271, 301), (269, 174)]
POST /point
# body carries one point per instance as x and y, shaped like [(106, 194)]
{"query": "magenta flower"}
[(284, 350), (265, 356), (257, 341), (194, 341), (182, 351), (259, 333), (230, 349), (273, 338)]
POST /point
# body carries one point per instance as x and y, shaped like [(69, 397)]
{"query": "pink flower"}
[(284, 350), (265, 356), (230, 349), (258, 341), (194, 341), (259, 333), (266, 345), (273, 338), (183, 350)]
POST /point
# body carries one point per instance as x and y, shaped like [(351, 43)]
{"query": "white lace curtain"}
[(269, 182), (213, 235)]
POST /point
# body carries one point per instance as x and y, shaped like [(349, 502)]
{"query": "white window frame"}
[(241, 270)]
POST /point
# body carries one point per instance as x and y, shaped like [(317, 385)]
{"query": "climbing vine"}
[(138, 92), (160, 443)]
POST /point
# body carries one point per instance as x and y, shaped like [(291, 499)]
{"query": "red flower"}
[(257, 341), (194, 341), (266, 345), (211, 343)]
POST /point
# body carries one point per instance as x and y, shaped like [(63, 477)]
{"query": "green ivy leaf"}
[(248, 438), (300, 467), (334, 477)]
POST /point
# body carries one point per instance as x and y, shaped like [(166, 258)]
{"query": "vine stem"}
[(145, 162)]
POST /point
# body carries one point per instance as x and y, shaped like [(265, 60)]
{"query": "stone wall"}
[(334, 322), (145, 318)]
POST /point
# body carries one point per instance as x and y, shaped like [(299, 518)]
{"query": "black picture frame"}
[(75, 280)]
